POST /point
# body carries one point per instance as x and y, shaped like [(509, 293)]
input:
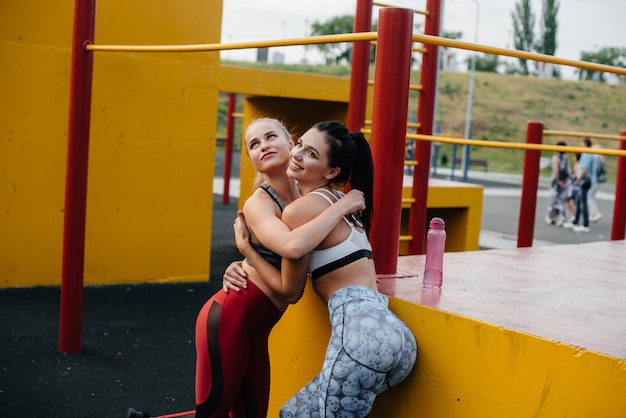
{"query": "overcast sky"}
[(583, 25)]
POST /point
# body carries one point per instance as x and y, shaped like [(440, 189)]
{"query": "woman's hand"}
[(235, 277), (242, 233), (353, 201)]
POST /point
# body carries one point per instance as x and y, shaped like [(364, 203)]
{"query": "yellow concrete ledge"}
[(528, 332)]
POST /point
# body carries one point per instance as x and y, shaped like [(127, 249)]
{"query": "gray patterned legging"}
[(370, 350)]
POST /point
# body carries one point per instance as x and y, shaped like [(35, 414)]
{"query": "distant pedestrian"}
[(561, 173), (594, 211), (585, 178), (572, 193)]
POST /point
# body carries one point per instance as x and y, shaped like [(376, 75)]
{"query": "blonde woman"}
[(232, 328)]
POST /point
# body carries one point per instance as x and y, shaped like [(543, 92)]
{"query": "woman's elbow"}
[(294, 252), (292, 300), (294, 297), (291, 297)]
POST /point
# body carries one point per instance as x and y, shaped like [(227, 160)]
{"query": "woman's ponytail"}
[(351, 152), (362, 176)]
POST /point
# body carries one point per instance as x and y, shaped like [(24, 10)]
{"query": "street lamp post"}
[(470, 97)]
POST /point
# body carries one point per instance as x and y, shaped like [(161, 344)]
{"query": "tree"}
[(334, 53), (452, 35), (487, 63), (546, 43), (523, 25), (612, 56), (337, 53)]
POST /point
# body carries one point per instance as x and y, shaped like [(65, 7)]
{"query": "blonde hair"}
[(258, 178)]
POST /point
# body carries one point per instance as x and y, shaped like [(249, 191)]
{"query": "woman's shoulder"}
[(258, 200), (252, 200), (304, 209)]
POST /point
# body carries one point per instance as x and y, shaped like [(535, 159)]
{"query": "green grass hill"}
[(504, 104)]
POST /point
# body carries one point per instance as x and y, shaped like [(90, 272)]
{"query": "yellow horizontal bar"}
[(516, 145), (450, 135), (583, 135), (414, 49), (237, 115), (406, 237), (421, 12), (412, 87), (312, 40), (435, 40), (357, 37), (408, 125), (411, 163)]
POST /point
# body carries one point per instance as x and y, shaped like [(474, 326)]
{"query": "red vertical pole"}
[(359, 72), (71, 315), (425, 118), (390, 107), (530, 183), (618, 227), (228, 148)]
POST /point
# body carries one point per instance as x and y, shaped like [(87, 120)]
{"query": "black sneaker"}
[(132, 413)]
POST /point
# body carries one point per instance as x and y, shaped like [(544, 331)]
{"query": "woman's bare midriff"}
[(253, 276), (357, 273)]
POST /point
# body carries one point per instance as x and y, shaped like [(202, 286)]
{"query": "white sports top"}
[(354, 247)]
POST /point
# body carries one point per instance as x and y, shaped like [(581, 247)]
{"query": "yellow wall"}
[(152, 144)]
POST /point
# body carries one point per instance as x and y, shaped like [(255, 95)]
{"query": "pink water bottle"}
[(435, 246)]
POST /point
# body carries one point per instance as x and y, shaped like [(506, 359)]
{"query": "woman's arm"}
[(289, 284), (293, 244)]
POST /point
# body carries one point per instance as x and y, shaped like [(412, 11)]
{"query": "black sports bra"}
[(269, 256)]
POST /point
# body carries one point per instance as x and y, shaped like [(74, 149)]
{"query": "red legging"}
[(232, 364)]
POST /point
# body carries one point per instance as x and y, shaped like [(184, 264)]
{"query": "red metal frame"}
[(71, 315), (425, 118), (390, 107), (228, 146), (359, 73), (530, 184), (618, 227)]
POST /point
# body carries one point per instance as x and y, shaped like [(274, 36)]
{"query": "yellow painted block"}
[(501, 339), (152, 143), (458, 204)]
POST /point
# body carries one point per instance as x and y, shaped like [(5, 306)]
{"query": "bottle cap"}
[(437, 223)]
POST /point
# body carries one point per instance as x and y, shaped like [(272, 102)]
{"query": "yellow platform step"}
[(533, 332)]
